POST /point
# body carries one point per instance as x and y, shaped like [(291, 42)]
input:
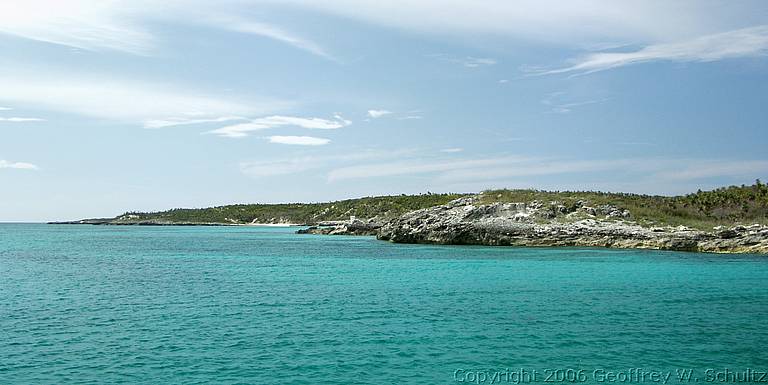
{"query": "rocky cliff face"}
[(466, 222)]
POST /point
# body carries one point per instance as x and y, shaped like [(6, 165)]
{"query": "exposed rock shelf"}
[(466, 222), (353, 227)]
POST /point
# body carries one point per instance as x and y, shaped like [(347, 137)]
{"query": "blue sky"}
[(110, 106)]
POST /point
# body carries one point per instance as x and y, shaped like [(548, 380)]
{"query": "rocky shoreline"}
[(465, 221), (352, 227), (468, 221)]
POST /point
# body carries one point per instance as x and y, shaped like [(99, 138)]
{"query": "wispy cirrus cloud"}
[(17, 165), (416, 166), (128, 26), (565, 108), (84, 24), (451, 170), (279, 34), (123, 99), (713, 168), (299, 140), (242, 130), (20, 120), (466, 61), (410, 117), (303, 162), (746, 42), (559, 103), (96, 25), (259, 169), (507, 168), (474, 62), (658, 170), (577, 23), (170, 122)]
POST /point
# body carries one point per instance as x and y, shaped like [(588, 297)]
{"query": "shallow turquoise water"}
[(91, 304)]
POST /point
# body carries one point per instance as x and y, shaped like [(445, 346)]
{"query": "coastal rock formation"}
[(351, 227), (466, 222), (510, 217)]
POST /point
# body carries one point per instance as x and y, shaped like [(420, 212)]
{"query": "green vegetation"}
[(383, 206), (703, 209)]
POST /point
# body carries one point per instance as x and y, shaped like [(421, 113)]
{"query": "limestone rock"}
[(466, 222)]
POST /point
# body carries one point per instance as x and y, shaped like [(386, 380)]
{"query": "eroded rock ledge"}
[(467, 222), (353, 227)]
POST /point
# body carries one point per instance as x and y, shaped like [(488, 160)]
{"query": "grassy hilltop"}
[(703, 209), (383, 206)]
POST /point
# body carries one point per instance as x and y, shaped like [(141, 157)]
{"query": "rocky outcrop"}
[(466, 222), (352, 227)]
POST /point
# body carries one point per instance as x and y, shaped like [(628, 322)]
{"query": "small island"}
[(726, 220)]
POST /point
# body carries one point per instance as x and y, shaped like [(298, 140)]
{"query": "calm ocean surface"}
[(167, 305)]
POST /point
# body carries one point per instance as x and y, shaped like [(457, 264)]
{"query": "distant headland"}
[(726, 220)]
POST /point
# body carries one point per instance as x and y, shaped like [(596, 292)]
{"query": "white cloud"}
[(668, 175), (122, 99), (542, 167), (747, 42), (279, 34), (170, 122), (17, 165), (506, 168), (84, 24), (710, 169), (375, 114), (340, 119), (244, 129), (124, 25), (285, 166), (575, 22), (299, 140), (278, 167), (378, 113), (559, 104), (240, 130), (416, 166), (473, 62), (452, 150), (5, 108), (20, 120), (468, 61), (568, 107)]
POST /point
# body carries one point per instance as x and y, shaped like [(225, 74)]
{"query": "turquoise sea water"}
[(166, 305)]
